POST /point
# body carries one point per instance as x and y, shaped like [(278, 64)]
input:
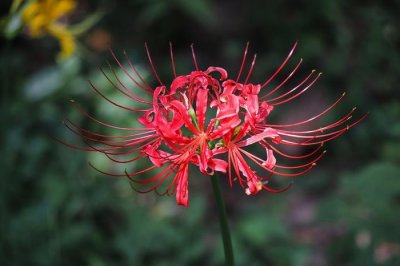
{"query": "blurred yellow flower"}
[(42, 17)]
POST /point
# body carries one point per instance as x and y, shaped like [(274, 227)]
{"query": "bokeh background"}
[(56, 210)]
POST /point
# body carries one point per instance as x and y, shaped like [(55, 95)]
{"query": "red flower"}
[(176, 131)]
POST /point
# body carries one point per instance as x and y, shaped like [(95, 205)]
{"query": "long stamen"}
[(292, 90), (122, 151), (172, 59), (251, 156), (166, 170), (114, 103), (292, 156), (194, 57), (123, 175), (149, 88), (98, 137), (312, 118), (152, 65), (278, 190), (313, 162), (338, 133), (243, 61), (296, 95), (110, 156), (125, 90), (280, 67), (140, 86), (339, 122), (288, 167), (170, 190), (310, 142), (80, 109), (251, 69), (284, 81)]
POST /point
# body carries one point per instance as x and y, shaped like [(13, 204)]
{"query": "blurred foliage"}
[(56, 210), (368, 209)]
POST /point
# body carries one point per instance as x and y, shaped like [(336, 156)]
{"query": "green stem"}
[(223, 221)]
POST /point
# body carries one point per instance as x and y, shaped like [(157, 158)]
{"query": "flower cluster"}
[(209, 120)]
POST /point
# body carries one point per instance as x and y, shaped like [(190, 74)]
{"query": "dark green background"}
[(56, 210)]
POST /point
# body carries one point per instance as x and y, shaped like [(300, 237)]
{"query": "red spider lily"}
[(176, 131)]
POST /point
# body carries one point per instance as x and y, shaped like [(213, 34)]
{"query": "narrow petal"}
[(222, 71), (182, 192), (201, 107), (267, 133), (218, 165), (271, 160), (179, 82)]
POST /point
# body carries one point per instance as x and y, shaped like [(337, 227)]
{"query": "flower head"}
[(213, 122)]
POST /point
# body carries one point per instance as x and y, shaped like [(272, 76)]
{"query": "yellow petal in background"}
[(41, 17), (65, 38), (62, 8)]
